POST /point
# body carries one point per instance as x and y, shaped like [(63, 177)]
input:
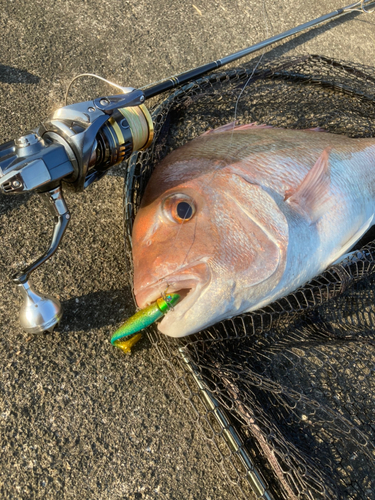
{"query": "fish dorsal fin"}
[(312, 197), (228, 127)]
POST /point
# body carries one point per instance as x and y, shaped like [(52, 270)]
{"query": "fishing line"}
[(252, 73), (170, 284), (192, 243), (224, 162)]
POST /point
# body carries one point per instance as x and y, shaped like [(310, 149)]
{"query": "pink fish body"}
[(238, 218)]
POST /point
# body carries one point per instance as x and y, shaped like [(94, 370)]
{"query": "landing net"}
[(285, 396)]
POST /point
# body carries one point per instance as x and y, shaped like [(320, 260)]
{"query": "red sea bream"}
[(242, 216)]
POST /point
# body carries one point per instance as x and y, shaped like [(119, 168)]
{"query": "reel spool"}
[(94, 141), (128, 129)]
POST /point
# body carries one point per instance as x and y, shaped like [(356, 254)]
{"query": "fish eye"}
[(184, 210), (179, 208)]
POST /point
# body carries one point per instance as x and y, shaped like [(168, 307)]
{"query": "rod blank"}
[(192, 74)]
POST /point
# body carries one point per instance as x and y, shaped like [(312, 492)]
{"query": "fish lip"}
[(185, 279)]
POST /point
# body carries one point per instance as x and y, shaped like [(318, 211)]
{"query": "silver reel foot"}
[(39, 313)]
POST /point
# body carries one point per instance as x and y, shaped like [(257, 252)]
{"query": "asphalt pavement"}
[(79, 419)]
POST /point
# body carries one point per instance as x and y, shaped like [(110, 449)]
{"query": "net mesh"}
[(285, 395)]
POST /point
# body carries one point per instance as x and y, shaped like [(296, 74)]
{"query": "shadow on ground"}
[(9, 74)]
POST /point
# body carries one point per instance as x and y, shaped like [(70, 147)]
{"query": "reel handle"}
[(40, 312), (55, 203)]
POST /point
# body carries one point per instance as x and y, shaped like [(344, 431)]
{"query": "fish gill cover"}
[(285, 395)]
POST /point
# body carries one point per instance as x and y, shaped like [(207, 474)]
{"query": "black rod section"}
[(192, 74)]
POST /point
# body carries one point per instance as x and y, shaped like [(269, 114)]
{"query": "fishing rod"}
[(80, 142)]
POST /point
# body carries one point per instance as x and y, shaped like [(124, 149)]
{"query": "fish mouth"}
[(188, 283)]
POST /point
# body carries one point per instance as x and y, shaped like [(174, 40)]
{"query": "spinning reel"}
[(80, 142), (76, 145)]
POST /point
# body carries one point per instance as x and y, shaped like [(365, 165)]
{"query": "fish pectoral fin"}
[(312, 197)]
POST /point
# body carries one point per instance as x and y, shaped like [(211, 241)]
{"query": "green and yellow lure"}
[(141, 319)]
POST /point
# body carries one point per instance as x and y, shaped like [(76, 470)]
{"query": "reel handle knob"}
[(38, 312)]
